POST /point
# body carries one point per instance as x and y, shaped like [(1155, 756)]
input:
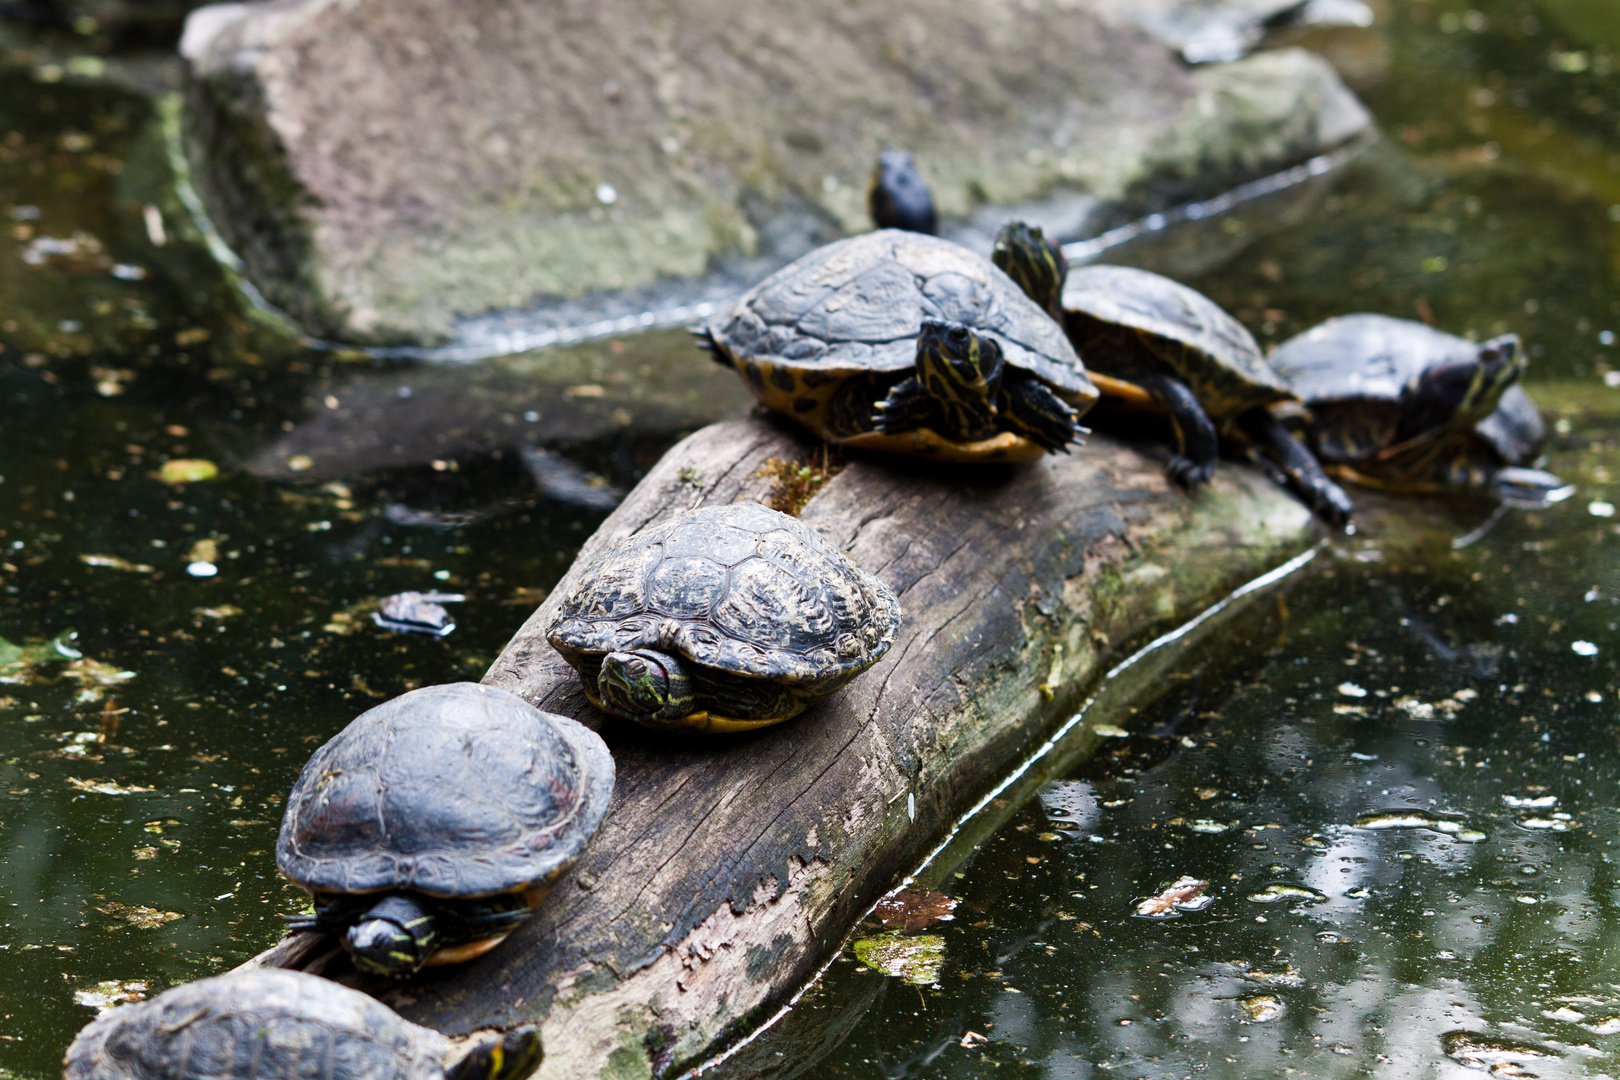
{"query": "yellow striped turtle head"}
[(961, 371), (510, 1055), (1460, 393), (1034, 262)]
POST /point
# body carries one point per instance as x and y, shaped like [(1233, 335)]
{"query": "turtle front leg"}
[(1301, 471), (1193, 463), (908, 407), (1028, 407)]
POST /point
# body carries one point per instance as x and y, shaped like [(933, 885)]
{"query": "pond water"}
[(1397, 770)]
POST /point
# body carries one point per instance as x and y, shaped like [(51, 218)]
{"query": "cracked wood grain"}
[(729, 867)]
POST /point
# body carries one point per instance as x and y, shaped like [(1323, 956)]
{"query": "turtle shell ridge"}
[(1221, 358), (742, 589), (460, 790), (265, 1024), (856, 305)]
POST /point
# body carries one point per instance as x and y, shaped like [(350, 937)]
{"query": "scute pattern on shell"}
[(741, 588), (1216, 342), (858, 303), (267, 1024), (459, 791)]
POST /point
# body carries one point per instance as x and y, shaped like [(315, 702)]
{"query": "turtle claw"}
[(1188, 473), (1030, 408)]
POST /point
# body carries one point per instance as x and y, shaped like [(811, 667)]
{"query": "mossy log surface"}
[(730, 867)]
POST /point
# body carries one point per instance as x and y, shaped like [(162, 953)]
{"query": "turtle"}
[(722, 618), (1153, 342), (906, 343), (274, 1024), (897, 196), (1400, 405), (431, 826)]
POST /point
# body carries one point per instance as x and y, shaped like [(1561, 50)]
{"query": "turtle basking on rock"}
[(724, 618), (1399, 405), (906, 343), (272, 1024), (431, 826), (1150, 341)]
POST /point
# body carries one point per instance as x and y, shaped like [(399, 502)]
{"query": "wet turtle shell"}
[(825, 338), (455, 792), (272, 1024), (1352, 372), (767, 613), (1214, 354)]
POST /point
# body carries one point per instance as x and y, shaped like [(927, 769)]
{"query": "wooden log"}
[(730, 867)]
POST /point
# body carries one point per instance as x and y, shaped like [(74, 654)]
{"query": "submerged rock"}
[(389, 171)]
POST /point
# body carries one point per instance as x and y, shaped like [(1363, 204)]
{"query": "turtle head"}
[(510, 1055), (898, 196), (1460, 393), (1035, 263), (394, 937), (961, 372), (646, 686)]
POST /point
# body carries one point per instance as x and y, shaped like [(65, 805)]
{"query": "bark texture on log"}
[(729, 867)]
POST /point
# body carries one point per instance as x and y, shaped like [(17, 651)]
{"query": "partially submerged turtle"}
[(897, 196), (906, 343), (1400, 405), (723, 618), (428, 829), (1152, 341), (273, 1024)]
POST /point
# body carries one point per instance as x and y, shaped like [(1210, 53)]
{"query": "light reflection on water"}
[(124, 802)]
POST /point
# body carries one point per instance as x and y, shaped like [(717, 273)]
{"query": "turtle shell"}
[(1210, 350), (854, 307), (264, 1024), (740, 589), (1352, 370), (460, 791)]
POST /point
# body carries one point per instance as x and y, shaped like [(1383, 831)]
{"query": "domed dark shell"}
[(1219, 358), (740, 588), (857, 304), (267, 1024), (456, 791), (1366, 361)]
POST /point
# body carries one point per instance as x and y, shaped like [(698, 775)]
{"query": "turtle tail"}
[(703, 338)]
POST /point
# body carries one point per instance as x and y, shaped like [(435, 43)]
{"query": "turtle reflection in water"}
[(723, 618), (1151, 341), (1399, 405), (428, 829), (908, 344), (270, 1024)]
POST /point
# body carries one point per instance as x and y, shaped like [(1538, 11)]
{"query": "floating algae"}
[(916, 958)]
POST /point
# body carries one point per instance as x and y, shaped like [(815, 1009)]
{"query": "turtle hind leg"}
[(1193, 462), (1301, 472), (1028, 407), (908, 407)]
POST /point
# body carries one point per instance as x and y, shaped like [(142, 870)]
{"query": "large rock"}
[(387, 169)]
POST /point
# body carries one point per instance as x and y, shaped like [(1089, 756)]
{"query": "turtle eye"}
[(959, 334)]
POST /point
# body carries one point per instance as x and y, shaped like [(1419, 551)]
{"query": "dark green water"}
[(138, 812)]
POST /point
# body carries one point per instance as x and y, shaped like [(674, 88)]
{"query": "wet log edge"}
[(729, 867)]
